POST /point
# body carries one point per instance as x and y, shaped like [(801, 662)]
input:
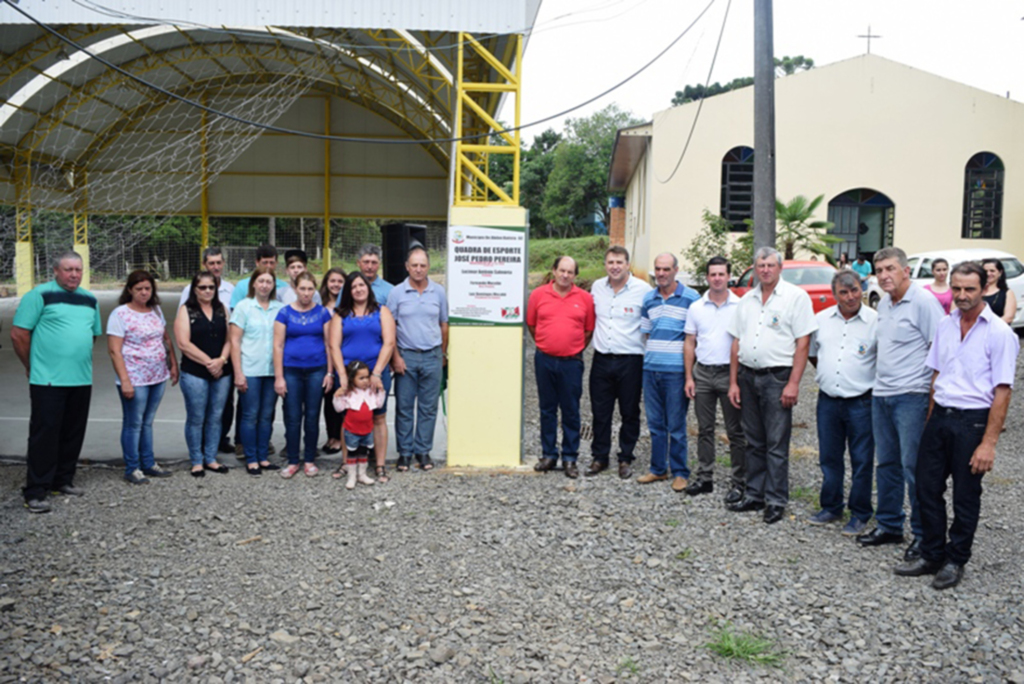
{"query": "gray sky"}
[(582, 47)]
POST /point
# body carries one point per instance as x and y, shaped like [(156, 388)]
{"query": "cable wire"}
[(700, 105), (337, 138)]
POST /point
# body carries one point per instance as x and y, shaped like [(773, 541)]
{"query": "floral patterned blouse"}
[(145, 356)]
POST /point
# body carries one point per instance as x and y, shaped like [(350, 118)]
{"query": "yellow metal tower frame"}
[(473, 184)]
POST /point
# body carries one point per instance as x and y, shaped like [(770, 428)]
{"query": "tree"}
[(714, 239), (786, 66), (797, 232), (577, 184)]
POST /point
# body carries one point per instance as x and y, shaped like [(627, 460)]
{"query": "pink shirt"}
[(970, 369), (945, 298)]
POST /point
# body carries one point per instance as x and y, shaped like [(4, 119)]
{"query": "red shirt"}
[(359, 421), (560, 323)]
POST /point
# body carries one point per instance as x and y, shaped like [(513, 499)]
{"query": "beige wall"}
[(638, 218), (866, 122)]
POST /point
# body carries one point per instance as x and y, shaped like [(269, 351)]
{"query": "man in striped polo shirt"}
[(662, 319)]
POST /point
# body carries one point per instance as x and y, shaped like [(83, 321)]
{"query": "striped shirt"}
[(663, 321)]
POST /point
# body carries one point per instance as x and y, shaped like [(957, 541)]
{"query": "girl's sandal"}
[(339, 472), (382, 474)]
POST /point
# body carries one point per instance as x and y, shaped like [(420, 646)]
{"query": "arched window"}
[(738, 187), (983, 197)]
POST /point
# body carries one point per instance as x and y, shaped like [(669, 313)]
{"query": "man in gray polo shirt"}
[(907, 318), (421, 321)]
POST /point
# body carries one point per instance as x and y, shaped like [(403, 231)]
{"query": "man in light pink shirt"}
[(974, 357)]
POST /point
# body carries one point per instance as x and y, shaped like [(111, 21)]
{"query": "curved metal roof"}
[(67, 110)]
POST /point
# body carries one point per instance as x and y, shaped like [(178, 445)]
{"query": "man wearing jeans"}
[(53, 334), (706, 353), (772, 330), (844, 350), (973, 359), (560, 318), (663, 319), (421, 325), (907, 318), (617, 371)]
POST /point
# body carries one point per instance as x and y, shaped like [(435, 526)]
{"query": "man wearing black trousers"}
[(53, 334), (617, 371), (974, 358)]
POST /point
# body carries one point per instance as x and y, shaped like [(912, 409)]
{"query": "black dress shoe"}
[(625, 470), (735, 494), (545, 464), (746, 504), (948, 577), (917, 567), (695, 488), (773, 514), (878, 537), (913, 551), (596, 468), (571, 471)]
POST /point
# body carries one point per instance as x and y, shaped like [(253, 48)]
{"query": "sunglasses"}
[(205, 287)]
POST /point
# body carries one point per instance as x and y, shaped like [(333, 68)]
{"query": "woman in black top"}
[(997, 293), (202, 331)]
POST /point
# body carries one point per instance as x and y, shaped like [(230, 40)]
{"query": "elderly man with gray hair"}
[(843, 350), (368, 259), (771, 337)]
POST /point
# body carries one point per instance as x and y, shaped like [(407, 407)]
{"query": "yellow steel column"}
[(23, 268), (204, 200), (485, 369), (82, 223), (327, 185)]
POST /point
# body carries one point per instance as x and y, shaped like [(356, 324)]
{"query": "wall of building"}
[(866, 122), (638, 219)]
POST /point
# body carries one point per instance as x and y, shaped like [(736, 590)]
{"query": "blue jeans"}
[(666, 404), (354, 441), (137, 426), (302, 409), (843, 422), (204, 409), (257, 417), (559, 386), (898, 422), (416, 394)]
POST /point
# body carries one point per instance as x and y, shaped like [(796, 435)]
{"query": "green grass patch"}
[(627, 667), (734, 645), (587, 251), (684, 554), (672, 523), (807, 495)]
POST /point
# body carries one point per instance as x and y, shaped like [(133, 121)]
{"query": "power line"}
[(700, 105), (337, 138)]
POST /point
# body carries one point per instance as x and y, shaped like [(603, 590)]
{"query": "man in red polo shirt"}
[(560, 317)]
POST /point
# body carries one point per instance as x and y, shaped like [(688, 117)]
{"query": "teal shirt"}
[(242, 290), (63, 325), (257, 327)]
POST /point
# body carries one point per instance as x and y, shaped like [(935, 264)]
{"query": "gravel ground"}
[(486, 577)]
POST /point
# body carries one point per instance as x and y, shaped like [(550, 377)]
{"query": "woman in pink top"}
[(939, 287), (143, 359)]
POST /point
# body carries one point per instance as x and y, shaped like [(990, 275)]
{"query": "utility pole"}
[(764, 126)]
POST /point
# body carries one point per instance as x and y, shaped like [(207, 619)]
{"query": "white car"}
[(921, 272)]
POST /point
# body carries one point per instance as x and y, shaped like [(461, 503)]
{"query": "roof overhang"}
[(630, 145)]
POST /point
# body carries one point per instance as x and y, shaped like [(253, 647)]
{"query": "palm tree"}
[(797, 232)]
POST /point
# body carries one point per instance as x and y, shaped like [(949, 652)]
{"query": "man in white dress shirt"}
[(844, 350), (617, 371), (706, 354)]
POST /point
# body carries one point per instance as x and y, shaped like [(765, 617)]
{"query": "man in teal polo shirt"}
[(54, 330)]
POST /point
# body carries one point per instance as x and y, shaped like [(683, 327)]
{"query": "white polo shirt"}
[(768, 332), (617, 329), (846, 351), (709, 322)]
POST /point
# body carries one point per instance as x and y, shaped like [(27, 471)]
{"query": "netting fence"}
[(170, 246)]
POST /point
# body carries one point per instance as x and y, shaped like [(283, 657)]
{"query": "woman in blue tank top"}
[(364, 331)]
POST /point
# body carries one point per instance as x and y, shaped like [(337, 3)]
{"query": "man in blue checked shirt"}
[(662, 320)]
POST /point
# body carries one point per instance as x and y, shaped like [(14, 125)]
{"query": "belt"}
[(866, 395), (714, 366), (967, 411), (418, 351), (623, 356), (766, 371), (573, 357)]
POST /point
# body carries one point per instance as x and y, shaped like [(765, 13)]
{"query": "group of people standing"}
[(916, 393), (333, 348)]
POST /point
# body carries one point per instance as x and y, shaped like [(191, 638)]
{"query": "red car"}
[(814, 277)]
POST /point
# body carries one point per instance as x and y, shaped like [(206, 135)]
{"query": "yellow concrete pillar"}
[(485, 366), (81, 225), (24, 269)]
